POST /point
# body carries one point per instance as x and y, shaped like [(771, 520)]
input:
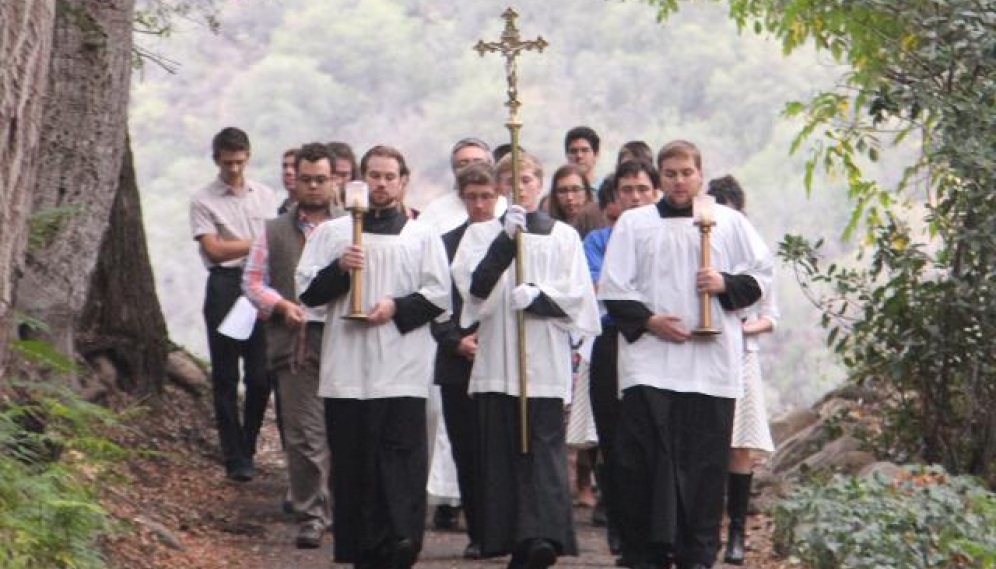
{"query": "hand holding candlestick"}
[(357, 202), (702, 213)]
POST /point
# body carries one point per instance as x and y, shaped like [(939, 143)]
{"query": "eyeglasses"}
[(564, 190), (313, 180)]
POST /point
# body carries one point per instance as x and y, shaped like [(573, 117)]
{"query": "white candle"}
[(702, 209), (357, 194)]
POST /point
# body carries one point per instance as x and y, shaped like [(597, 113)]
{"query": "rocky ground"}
[(179, 511)]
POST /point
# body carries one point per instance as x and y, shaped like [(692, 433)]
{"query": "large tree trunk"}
[(25, 48), (122, 320), (82, 148)]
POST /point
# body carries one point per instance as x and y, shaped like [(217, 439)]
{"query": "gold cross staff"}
[(510, 46)]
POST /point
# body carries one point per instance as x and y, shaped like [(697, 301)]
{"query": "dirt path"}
[(216, 524)]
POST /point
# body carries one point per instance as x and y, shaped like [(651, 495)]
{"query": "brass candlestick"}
[(705, 327), (510, 46), (702, 208), (356, 200)]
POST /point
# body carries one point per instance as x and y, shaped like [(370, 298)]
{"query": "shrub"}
[(924, 518)]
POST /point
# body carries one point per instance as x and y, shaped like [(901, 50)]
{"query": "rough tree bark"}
[(81, 152), (25, 48), (122, 320)]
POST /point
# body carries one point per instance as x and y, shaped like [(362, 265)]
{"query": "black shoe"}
[(405, 554), (622, 561), (599, 518), (614, 539), (309, 535), (445, 517), (241, 473), (540, 555), (472, 551)]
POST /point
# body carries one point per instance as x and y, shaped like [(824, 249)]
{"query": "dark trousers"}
[(378, 483), (603, 389), (237, 437), (672, 451), (460, 415)]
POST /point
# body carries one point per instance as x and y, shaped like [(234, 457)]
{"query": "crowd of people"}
[(590, 288)]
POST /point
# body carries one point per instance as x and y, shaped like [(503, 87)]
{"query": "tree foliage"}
[(916, 315)]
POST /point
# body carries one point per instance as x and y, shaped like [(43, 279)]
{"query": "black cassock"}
[(671, 455), (523, 496), (378, 478)]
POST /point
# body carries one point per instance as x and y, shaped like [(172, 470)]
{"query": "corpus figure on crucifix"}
[(523, 497)]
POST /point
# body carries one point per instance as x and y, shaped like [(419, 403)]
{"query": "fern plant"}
[(54, 452)]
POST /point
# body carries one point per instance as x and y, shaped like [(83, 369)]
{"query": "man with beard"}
[(375, 374), (294, 338)]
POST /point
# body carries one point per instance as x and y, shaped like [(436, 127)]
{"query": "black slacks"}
[(603, 389), (460, 415), (237, 437)]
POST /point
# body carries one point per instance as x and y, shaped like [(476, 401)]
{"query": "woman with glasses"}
[(573, 201)]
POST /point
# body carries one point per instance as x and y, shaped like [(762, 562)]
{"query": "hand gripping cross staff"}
[(510, 46)]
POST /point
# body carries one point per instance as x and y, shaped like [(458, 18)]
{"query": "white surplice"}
[(362, 361), (653, 260), (555, 263)]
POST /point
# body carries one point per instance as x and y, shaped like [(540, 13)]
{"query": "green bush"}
[(924, 519), (53, 454)]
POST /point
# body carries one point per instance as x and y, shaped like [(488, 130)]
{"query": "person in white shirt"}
[(225, 217)]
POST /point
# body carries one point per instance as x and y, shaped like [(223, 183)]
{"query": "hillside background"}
[(402, 72)]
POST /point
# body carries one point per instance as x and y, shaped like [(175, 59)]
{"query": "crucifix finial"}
[(510, 46)]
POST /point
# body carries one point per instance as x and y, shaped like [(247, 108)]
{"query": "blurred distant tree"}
[(918, 318)]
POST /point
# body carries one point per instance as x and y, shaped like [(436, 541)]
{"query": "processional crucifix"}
[(510, 46)]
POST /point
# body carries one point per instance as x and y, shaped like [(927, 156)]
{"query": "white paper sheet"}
[(239, 321)]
